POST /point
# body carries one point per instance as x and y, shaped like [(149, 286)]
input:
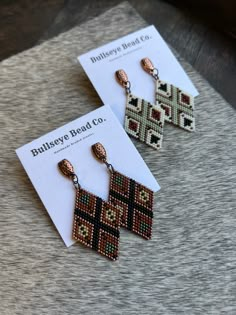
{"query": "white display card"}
[(73, 142), (126, 53)]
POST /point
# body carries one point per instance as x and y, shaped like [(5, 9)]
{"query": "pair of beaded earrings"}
[(96, 222), (145, 121)]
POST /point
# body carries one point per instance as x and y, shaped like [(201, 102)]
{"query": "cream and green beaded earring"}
[(177, 104), (143, 120)]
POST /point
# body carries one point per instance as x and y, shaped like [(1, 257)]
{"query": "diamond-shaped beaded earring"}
[(177, 104), (143, 120), (96, 222), (134, 200)]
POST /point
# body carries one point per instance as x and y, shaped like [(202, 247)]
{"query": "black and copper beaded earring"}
[(134, 200), (177, 104), (96, 222), (143, 120)]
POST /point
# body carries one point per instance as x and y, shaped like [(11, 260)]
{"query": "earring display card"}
[(126, 53), (73, 142)]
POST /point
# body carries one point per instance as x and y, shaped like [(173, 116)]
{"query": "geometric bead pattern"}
[(177, 104), (96, 224), (134, 201), (144, 121)]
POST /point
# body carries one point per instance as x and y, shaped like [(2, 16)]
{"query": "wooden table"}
[(25, 23)]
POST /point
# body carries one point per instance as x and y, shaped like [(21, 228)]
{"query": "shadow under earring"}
[(134, 200), (177, 104), (96, 222), (143, 120)]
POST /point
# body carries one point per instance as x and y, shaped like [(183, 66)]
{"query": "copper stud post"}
[(99, 151), (122, 77), (147, 65), (66, 168)]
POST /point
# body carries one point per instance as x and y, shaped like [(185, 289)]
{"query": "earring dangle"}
[(96, 223), (143, 120), (177, 104), (134, 200)]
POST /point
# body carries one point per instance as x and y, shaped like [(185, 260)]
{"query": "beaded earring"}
[(134, 200), (177, 104), (96, 223), (143, 120)]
